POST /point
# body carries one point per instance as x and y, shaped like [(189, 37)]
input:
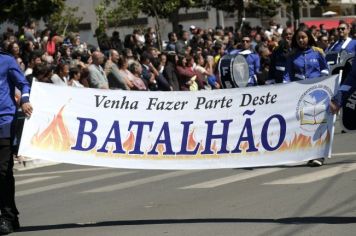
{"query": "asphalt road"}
[(80, 200)]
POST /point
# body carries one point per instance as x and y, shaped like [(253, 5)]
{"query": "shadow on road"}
[(287, 221)]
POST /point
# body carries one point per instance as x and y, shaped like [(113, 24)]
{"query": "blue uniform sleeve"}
[(324, 67), (288, 73), (18, 79), (257, 64), (350, 80), (272, 67), (349, 83)]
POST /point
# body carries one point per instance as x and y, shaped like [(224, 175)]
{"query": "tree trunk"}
[(296, 15), (158, 31), (174, 18), (240, 15)]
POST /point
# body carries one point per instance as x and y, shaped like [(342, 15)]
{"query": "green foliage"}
[(267, 7), (227, 5), (65, 20), (20, 11), (114, 10)]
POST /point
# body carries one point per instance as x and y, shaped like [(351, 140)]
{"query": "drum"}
[(348, 114), (233, 71), (339, 61)]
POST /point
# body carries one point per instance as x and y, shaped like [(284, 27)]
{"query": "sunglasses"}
[(341, 28), (245, 41)]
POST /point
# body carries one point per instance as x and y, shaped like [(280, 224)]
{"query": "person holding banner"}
[(10, 77), (346, 91), (306, 62)]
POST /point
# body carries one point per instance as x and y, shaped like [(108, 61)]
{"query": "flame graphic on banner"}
[(301, 141), (214, 147), (55, 137), (161, 149), (191, 141), (129, 143)]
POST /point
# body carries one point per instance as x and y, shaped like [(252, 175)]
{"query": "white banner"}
[(230, 128)]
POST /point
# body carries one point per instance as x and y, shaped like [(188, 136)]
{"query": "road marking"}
[(233, 178), (138, 182), (70, 183), (315, 175), (344, 154), (60, 172), (34, 180)]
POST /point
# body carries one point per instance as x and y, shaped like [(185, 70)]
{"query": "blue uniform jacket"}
[(337, 46), (11, 76), (349, 84), (307, 64), (278, 65)]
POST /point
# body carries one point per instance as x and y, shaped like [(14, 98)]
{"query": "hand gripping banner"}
[(229, 128)]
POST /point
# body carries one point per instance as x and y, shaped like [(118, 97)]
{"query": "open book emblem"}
[(313, 112)]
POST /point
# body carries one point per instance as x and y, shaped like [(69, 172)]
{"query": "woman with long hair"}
[(306, 62)]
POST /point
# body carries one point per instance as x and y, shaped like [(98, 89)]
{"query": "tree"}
[(229, 6), (21, 11), (125, 9), (266, 7), (65, 20), (295, 5)]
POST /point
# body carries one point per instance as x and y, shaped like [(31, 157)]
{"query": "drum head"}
[(240, 71), (348, 114)]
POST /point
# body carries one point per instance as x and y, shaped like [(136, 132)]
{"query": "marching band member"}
[(11, 76), (306, 62), (252, 59)]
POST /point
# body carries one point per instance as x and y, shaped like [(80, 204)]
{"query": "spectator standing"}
[(149, 73), (169, 71), (74, 77), (41, 73), (186, 77), (34, 59), (61, 76), (136, 70), (116, 42), (323, 42), (115, 79), (172, 41), (27, 50), (14, 49), (183, 42), (97, 77)]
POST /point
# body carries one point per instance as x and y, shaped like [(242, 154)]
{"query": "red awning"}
[(328, 23)]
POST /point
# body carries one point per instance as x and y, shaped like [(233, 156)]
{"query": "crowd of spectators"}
[(187, 61)]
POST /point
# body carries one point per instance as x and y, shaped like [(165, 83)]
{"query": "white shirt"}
[(59, 81)]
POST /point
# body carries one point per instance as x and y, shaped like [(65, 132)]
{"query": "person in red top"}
[(185, 75)]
